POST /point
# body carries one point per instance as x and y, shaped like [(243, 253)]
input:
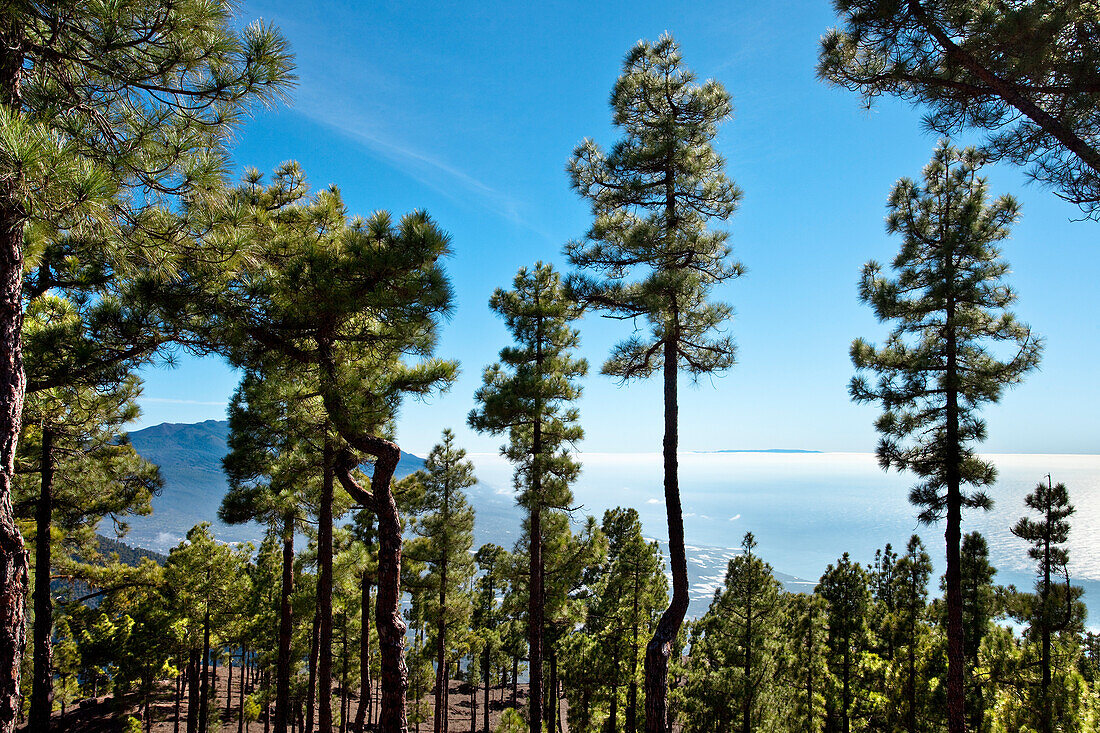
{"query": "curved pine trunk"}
[(42, 679), (391, 627), (13, 382), (286, 628), (659, 649)]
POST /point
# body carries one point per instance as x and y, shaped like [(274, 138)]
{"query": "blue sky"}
[(471, 110)]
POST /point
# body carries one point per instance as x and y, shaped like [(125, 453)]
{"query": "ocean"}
[(806, 509)]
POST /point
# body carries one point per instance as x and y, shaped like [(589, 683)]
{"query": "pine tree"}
[(204, 582), (1054, 609), (949, 302), (803, 670), (487, 614), (128, 103), (980, 606), (844, 587), (652, 197), (528, 396), (352, 307), (273, 430), (447, 525), (1025, 73), (628, 591), (74, 468), (912, 572), (736, 644)]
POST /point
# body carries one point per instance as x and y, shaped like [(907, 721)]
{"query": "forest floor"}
[(107, 715)]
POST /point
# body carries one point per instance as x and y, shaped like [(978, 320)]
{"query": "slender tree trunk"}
[(515, 681), (441, 652), (13, 382), (846, 690), (179, 696), (344, 676), (42, 680), (240, 693), (229, 690), (746, 703), (632, 689), (204, 689), (956, 659), (1044, 601), (613, 713), (485, 670), (311, 694), (286, 629), (659, 649), (536, 594), (535, 620), (364, 654), (324, 595), (193, 691)]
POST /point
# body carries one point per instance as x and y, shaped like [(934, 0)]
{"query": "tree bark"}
[(286, 628), (388, 621), (440, 722), (324, 595), (240, 692), (42, 680), (193, 691), (311, 694), (659, 648), (13, 382), (204, 688), (364, 655), (956, 658)]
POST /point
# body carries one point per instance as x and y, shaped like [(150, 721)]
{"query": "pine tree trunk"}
[(391, 627), (42, 680), (324, 596), (13, 382), (193, 691), (179, 696), (535, 621), (441, 652), (659, 649), (388, 621), (1044, 604), (204, 688), (485, 670), (311, 694), (364, 655), (229, 690), (286, 629), (632, 689), (344, 675), (240, 692), (515, 681), (956, 660), (536, 594)]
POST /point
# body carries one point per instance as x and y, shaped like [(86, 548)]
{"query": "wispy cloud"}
[(424, 167)]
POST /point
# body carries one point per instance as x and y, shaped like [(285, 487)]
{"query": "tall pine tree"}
[(652, 196), (528, 395), (949, 304)]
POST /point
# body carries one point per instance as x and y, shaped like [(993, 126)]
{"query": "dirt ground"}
[(106, 714)]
